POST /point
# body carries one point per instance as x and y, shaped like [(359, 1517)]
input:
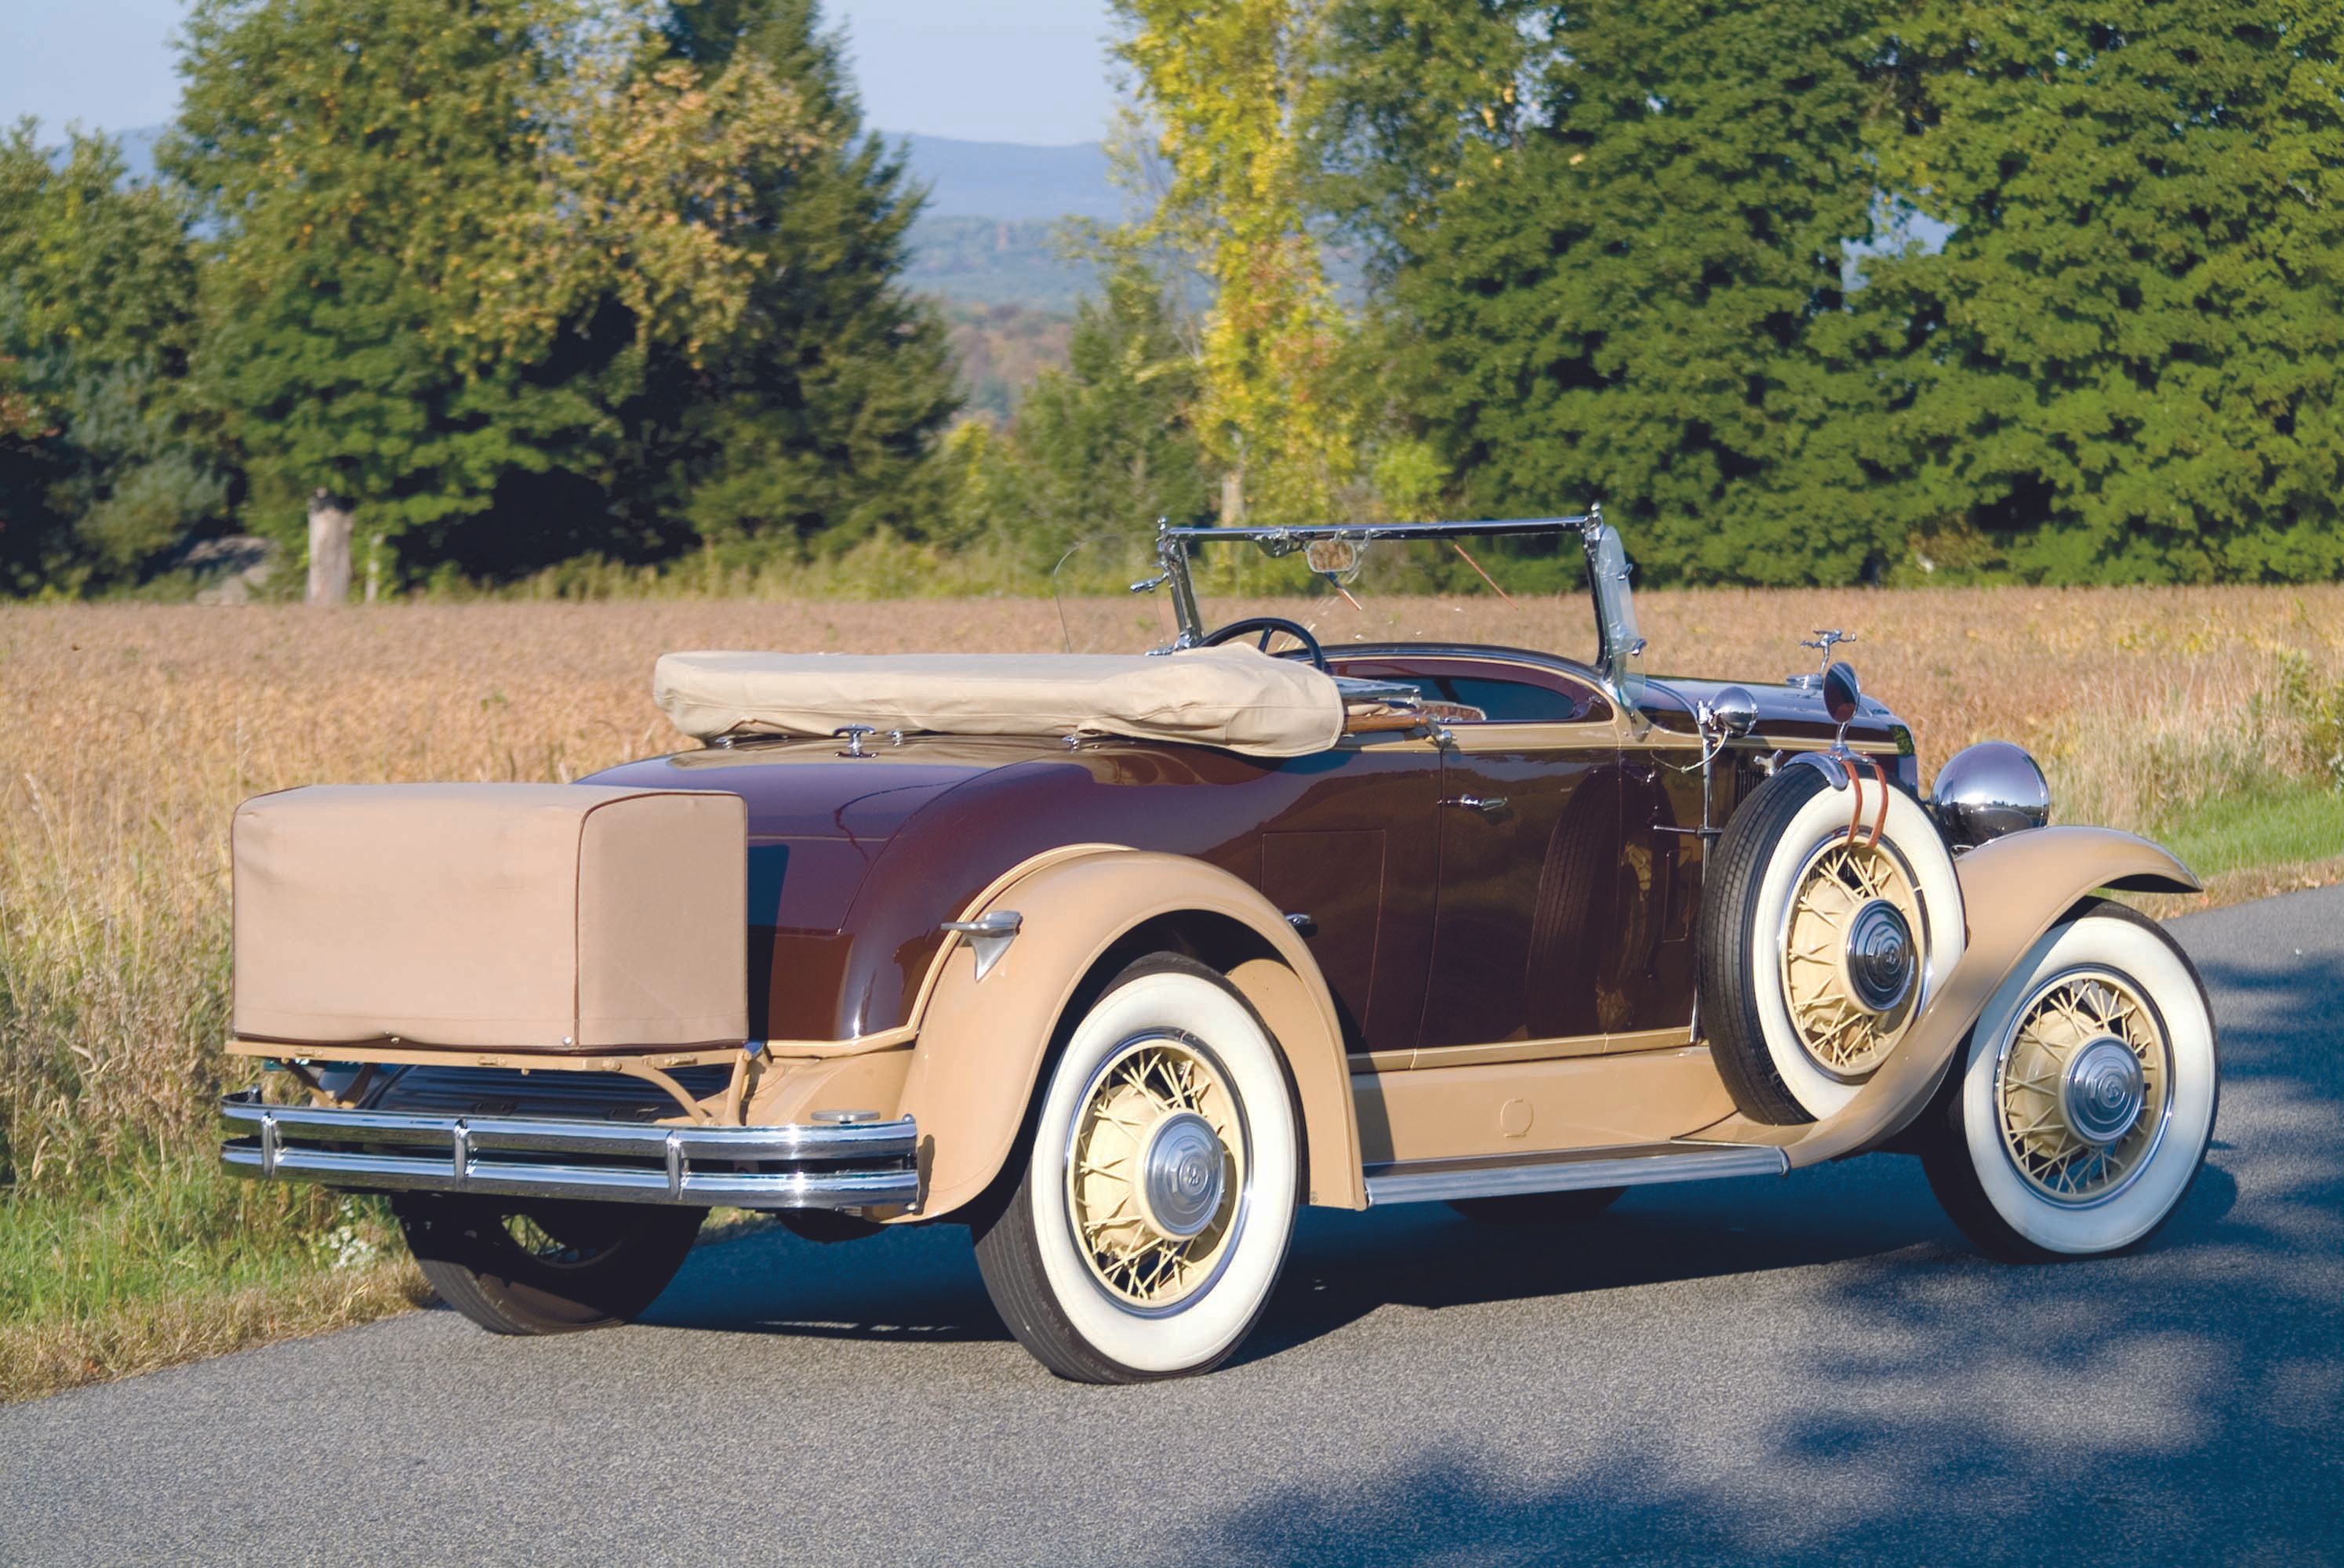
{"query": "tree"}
[(1231, 91), (2128, 357), (1107, 440), (106, 462), (814, 418), (448, 239), (1617, 248)]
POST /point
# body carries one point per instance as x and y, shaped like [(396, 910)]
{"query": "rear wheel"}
[(546, 1267), (1151, 1219)]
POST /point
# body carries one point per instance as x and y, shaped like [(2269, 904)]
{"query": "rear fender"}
[(2013, 889), (982, 1041)]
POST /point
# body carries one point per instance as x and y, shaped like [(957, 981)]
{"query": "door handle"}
[(1488, 805)]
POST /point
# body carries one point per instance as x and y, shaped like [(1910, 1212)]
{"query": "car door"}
[(1353, 864), (1528, 830), (1661, 860)]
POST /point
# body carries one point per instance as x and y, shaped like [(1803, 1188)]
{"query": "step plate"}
[(1498, 1176)]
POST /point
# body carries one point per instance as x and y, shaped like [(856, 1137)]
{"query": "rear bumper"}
[(858, 1165)]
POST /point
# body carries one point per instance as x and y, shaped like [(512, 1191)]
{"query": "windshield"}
[(1525, 588)]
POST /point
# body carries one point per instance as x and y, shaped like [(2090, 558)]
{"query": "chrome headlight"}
[(1989, 789)]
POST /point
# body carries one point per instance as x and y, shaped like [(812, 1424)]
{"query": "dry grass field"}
[(128, 734)]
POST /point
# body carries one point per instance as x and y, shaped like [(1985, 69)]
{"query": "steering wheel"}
[(1270, 626)]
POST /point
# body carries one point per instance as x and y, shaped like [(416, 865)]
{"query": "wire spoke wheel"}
[(2081, 1087), (545, 1267), (1148, 1230), (1156, 1172), (555, 1240), (1850, 954)]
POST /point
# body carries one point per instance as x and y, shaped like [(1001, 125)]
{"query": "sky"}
[(979, 70)]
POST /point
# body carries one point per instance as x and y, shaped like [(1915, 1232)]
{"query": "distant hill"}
[(991, 261), (986, 237), (1011, 182)]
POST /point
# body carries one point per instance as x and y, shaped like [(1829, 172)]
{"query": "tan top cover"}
[(1237, 699), (519, 917)]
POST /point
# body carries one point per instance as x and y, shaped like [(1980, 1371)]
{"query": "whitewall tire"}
[(2086, 1099), (1831, 918), (1153, 1212)]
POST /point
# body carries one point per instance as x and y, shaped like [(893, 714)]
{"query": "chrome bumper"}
[(858, 1165)]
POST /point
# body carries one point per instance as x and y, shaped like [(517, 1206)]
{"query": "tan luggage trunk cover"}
[(518, 916)]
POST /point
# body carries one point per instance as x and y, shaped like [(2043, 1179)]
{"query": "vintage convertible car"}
[(1116, 959)]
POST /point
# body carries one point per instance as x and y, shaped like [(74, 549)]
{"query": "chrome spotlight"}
[(1989, 789)]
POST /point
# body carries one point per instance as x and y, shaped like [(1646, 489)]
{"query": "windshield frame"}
[(1621, 662)]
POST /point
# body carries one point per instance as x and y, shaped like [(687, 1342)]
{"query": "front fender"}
[(2013, 889), (981, 1042)]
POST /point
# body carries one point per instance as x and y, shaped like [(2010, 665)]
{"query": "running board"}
[(1571, 1170)]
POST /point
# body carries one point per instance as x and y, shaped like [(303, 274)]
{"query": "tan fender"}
[(981, 1041), (2013, 889)]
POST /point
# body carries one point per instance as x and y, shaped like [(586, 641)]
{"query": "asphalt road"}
[(1804, 1369)]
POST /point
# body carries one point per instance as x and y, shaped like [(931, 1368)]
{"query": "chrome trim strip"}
[(1437, 1180), (850, 1165)]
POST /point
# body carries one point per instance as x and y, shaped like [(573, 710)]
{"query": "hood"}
[(1785, 712)]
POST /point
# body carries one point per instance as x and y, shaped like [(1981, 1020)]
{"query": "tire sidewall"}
[(2146, 957), (1211, 1323), (1824, 818)]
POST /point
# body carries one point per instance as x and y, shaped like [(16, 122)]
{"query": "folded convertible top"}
[(1237, 699)]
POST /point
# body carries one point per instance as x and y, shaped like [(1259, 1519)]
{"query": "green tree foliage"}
[(1098, 453), (1616, 245), (814, 418), (362, 162), (2128, 359), (106, 462), (1109, 438), (1231, 92), (458, 247)]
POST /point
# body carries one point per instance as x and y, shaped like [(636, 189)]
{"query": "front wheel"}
[(1152, 1216), (545, 1266), (2085, 1102)]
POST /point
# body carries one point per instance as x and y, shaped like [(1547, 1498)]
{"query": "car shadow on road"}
[(2178, 1404)]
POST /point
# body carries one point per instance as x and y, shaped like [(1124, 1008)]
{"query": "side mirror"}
[(1841, 695), (1735, 711)]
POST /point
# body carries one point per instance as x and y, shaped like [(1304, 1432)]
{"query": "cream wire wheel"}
[(1830, 916), (1156, 1172), (2082, 1109), (2080, 1086), (1156, 1200), (1852, 943)]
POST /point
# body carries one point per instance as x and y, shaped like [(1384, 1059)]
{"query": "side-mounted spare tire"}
[(1830, 918)]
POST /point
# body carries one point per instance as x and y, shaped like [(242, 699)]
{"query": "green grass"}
[(156, 1223), (2267, 827), (169, 1258)]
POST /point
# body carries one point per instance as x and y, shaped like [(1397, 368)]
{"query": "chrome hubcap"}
[(1158, 1167), (1853, 937), (2084, 1084), (1183, 1174), (1879, 956), (2103, 1091)]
